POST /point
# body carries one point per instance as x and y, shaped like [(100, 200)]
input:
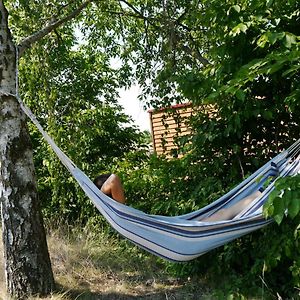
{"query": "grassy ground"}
[(93, 265)]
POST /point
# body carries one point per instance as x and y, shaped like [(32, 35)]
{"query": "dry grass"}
[(89, 265)]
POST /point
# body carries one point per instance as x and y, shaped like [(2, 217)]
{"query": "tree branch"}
[(137, 14), (197, 54), (133, 15), (132, 7), (27, 42)]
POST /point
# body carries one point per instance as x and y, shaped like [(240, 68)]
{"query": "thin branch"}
[(137, 14), (178, 21), (198, 55), (63, 6), (132, 7), (27, 42), (241, 166), (128, 14), (121, 23)]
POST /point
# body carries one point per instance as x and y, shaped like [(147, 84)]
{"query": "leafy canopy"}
[(240, 57)]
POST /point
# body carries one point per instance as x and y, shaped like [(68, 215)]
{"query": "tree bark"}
[(27, 264)]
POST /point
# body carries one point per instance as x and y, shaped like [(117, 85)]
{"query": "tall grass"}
[(95, 263)]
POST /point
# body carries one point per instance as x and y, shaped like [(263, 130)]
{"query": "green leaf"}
[(270, 37), (262, 41), (279, 209), (273, 37), (275, 67), (237, 8), (278, 219), (242, 27), (277, 21), (240, 95), (268, 209), (268, 115), (293, 207), (292, 70), (290, 39)]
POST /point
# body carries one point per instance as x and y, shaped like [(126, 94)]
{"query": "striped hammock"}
[(185, 237)]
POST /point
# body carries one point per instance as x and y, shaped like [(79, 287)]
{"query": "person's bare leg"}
[(113, 186), (222, 214), (231, 212)]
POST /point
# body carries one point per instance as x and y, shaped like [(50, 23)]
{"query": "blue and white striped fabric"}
[(186, 237)]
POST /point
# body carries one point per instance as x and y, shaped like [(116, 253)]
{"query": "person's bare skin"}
[(113, 186), (231, 212)]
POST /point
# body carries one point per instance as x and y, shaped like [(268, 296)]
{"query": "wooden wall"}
[(167, 124)]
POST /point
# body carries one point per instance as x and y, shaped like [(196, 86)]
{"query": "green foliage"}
[(73, 92), (283, 205), (166, 186), (251, 81), (237, 61), (284, 201)]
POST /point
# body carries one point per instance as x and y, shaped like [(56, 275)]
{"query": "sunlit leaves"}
[(271, 38), (285, 200), (238, 29), (240, 57), (73, 91)]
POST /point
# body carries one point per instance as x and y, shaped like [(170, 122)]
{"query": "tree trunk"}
[(27, 263)]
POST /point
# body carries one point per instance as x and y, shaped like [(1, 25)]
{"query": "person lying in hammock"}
[(111, 185), (230, 212)]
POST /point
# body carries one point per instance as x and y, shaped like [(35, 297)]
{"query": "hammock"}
[(185, 237)]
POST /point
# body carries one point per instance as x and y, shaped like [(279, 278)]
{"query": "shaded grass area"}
[(91, 263)]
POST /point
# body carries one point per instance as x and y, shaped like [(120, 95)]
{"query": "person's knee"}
[(115, 180)]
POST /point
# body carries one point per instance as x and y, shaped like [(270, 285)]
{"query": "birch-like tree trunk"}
[(27, 263)]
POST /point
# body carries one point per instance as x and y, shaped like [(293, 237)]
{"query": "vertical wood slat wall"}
[(167, 124)]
